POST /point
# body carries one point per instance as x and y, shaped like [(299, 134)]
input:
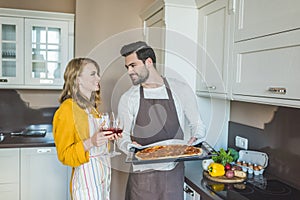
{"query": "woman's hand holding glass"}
[(112, 127), (99, 138)]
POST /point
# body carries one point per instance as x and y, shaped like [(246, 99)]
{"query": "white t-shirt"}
[(185, 104)]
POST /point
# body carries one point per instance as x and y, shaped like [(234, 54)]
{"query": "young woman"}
[(76, 130)]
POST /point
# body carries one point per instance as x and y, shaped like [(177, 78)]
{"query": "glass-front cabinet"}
[(35, 48), (11, 46), (46, 50)]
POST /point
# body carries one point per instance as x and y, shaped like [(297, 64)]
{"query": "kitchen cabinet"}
[(155, 36), (42, 175), (257, 18), (266, 55), (170, 27), (9, 176), (46, 51), (214, 57), (175, 23), (215, 37), (37, 50), (32, 173), (12, 53)]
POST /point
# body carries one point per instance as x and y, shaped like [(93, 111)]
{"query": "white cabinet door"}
[(268, 67), (170, 26), (9, 174), (46, 51), (256, 18), (11, 48), (35, 48), (155, 37), (266, 52), (215, 41), (42, 175)]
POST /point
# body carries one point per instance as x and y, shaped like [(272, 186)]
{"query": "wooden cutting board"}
[(223, 179)]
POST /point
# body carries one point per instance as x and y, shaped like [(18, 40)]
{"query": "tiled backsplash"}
[(15, 113), (280, 139)]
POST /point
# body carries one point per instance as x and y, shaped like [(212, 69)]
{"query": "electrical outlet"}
[(241, 142)]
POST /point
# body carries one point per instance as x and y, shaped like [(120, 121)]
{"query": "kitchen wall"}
[(279, 138), (15, 113), (102, 28), (251, 114), (67, 6)]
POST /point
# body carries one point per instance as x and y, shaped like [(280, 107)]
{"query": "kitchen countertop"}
[(260, 187), (10, 141), (194, 178)]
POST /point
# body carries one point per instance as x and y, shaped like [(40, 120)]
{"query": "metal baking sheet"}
[(208, 152)]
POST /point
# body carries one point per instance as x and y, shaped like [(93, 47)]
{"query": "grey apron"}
[(156, 121)]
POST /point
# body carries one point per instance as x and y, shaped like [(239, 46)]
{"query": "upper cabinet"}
[(266, 52), (243, 50), (155, 34), (257, 18), (46, 51), (215, 45), (35, 48), (170, 27), (12, 51)]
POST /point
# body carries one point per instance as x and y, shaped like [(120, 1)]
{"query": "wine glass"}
[(112, 124), (117, 129), (105, 126)]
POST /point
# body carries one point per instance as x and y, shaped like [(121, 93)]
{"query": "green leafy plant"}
[(234, 154), (225, 157)]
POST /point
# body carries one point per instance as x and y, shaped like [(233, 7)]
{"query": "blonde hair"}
[(71, 86)]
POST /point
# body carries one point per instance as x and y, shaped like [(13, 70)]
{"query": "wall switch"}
[(241, 142)]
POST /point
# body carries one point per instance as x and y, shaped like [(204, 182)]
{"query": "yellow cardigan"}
[(70, 128)]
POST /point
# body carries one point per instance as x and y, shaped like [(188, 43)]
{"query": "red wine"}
[(118, 131), (113, 131)]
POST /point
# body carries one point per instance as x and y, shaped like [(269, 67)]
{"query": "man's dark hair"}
[(142, 50)]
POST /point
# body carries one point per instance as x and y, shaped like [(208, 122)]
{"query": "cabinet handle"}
[(189, 191), (212, 87), (3, 80), (277, 90), (43, 150)]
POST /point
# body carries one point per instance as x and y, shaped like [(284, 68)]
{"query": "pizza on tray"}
[(167, 151)]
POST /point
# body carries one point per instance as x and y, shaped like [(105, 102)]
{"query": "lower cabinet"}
[(9, 174), (33, 174), (190, 194), (42, 175)]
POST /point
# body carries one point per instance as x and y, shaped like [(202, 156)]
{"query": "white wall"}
[(102, 28), (251, 114)]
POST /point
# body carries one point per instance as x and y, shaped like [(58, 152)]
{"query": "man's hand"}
[(192, 140), (135, 143)]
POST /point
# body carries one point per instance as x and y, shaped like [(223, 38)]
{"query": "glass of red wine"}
[(112, 124)]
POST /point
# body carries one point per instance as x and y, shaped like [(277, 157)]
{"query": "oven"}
[(189, 193)]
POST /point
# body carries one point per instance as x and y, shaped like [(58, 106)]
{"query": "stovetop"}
[(257, 188)]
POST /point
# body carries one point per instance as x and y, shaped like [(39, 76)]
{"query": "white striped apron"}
[(91, 181)]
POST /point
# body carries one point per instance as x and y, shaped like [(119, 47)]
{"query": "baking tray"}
[(208, 152)]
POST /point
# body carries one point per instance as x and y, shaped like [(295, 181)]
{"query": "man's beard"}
[(141, 77)]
